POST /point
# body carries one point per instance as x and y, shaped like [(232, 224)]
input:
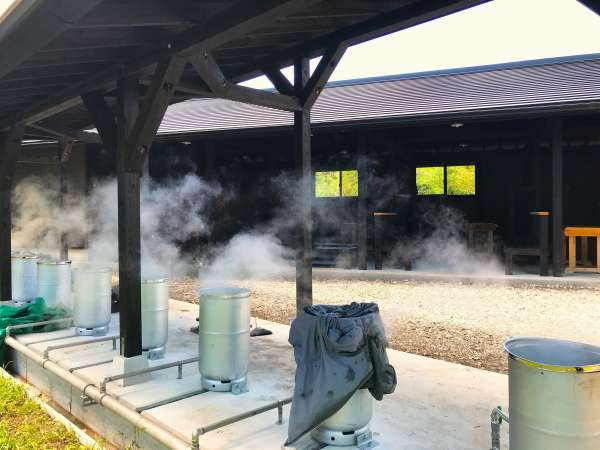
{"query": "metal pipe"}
[(85, 366), (239, 417), (36, 324), (79, 343), (136, 373), (174, 399), (109, 402), (496, 419), (41, 341)]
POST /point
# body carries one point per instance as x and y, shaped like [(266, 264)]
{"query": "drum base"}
[(21, 303), (98, 331), (361, 438), (155, 353), (236, 387)]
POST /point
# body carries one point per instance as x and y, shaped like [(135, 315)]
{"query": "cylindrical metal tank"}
[(54, 282), (224, 334), (91, 299), (554, 395), (155, 316), (23, 277), (350, 422)]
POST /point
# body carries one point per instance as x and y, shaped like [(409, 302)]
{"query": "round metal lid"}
[(154, 280), (90, 267), (24, 256), (223, 292), (54, 262), (554, 355)]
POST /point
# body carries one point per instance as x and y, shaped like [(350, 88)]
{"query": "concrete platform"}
[(569, 281), (437, 405)]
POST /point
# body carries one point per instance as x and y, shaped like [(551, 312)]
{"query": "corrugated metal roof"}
[(557, 82)]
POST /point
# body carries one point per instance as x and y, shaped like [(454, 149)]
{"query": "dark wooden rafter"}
[(237, 20), (211, 74), (379, 25), (157, 99), (66, 133), (594, 5), (279, 80), (324, 69), (52, 19)]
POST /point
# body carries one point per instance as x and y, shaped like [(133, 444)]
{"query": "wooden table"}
[(572, 233)]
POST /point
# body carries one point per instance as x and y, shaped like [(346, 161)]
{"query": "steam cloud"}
[(171, 212), (443, 248)]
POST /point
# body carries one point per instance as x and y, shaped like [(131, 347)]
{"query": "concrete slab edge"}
[(34, 395)]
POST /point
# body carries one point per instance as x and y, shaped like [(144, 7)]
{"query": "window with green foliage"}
[(338, 183), (446, 180), (460, 180), (430, 180)]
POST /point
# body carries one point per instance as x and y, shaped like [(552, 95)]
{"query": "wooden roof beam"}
[(211, 74), (51, 19), (241, 18)]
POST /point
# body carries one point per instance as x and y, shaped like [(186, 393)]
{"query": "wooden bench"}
[(541, 250), (485, 245)]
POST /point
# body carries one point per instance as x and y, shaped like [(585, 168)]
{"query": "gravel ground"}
[(460, 323)]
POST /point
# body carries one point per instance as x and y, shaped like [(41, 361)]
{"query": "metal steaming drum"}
[(224, 333), (91, 299), (350, 424), (23, 277), (554, 398), (155, 316), (54, 282)]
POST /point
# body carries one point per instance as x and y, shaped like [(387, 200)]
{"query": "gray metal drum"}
[(554, 394), (350, 425), (23, 277), (224, 334), (54, 283), (91, 299), (155, 316)]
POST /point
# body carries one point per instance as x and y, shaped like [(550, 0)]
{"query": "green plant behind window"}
[(327, 184), (460, 180), (350, 183), (430, 180)]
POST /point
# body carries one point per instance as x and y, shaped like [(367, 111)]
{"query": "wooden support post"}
[(128, 194), (10, 145), (209, 160), (363, 213), (302, 160), (134, 127), (558, 264), (5, 245), (64, 152)]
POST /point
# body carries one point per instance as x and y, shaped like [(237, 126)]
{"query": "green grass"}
[(25, 425)]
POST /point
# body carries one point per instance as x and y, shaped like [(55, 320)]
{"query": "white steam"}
[(248, 256), (171, 212), (444, 248)]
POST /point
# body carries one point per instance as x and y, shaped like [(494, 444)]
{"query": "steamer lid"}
[(554, 355)]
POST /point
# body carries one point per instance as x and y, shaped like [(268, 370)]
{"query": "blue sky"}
[(496, 32)]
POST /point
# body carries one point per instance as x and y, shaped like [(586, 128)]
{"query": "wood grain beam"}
[(211, 74), (321, 75), (241, 18)]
